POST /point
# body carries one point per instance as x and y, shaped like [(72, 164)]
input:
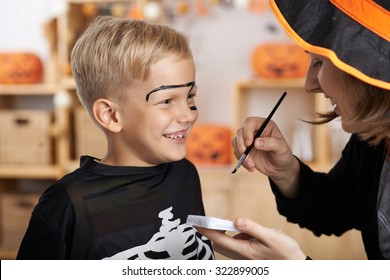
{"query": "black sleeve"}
[(49, 233), (329, 203), (40, 243)]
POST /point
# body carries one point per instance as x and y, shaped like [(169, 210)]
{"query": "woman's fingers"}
[(254, 242), (263, 234), (211, 234), (223, 243), (268, 243), (251, 125)]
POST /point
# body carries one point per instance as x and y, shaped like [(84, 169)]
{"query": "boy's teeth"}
[(176, 136)]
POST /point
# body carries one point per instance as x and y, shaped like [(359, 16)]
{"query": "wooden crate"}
[(25, 137), (15, 213), (89, 139)]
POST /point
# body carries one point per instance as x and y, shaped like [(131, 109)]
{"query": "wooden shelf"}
[(270, 83), (243, 86), (33, 171), (68, 83), (38, 89)]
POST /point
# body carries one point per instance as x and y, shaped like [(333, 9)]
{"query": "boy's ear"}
[(106, 114)]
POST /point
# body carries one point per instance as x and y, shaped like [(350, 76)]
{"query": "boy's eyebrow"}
[(190, 84)]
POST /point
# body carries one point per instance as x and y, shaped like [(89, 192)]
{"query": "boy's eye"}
[(166, 102)]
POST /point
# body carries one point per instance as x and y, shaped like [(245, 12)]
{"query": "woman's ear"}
[(105, 113)]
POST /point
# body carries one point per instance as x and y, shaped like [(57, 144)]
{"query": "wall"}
[(22, 22), (222, 43)]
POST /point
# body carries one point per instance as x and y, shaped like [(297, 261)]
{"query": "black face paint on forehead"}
[(190, 84)]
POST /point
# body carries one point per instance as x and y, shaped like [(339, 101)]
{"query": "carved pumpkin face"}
[(20, 68), (280, 60), (209, 145)]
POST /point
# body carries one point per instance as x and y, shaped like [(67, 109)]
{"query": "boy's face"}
[(158, 114)]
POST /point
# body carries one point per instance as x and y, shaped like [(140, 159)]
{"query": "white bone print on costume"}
[(173, 241)]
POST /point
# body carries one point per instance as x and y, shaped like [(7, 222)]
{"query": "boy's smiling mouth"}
[(176, 135)]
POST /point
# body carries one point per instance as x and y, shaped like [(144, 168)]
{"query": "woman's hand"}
[(255, 242), (271, 154)]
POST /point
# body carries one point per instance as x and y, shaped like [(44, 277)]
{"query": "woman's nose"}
[(311, 82)]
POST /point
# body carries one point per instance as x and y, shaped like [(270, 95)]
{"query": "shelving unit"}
[(244, 88), (14, 174), (58, 132)]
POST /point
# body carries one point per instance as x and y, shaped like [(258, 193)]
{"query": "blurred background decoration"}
[(169, 10), (20, 68), (156, 11), (209, 145)]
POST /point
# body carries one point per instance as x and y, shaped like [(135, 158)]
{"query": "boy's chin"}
[(173, 158), (180, 157)]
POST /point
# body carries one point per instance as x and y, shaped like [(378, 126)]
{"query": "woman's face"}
[(323, 76)]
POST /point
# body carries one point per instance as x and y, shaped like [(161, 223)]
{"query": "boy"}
[(137, 81)]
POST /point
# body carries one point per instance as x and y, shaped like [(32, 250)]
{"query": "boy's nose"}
[(187, 113)]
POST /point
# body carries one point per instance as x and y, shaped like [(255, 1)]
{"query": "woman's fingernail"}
[(241, 222)]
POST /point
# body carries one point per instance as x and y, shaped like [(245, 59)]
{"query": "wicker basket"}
[(25, 137), (15, 213), (89, 139)]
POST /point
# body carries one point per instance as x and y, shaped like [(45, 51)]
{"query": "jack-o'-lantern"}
[(20, 68), (90, 9), (135, 12), (209, 144), (279, 60)]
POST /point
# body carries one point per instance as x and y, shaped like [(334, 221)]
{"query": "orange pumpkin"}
[(90, 9), (20, 68), (135, 12), (279, 60), (209, 144)]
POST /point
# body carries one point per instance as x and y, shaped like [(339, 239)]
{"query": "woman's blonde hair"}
[(372, 110), (112, 52)]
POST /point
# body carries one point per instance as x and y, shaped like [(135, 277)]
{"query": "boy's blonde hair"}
[(113, 52)]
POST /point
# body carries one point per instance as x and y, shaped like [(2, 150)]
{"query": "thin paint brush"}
[(258, 133)]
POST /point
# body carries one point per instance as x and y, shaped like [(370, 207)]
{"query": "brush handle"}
[(259, 132), (265, 123)]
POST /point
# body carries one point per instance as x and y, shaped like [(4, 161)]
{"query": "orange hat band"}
[(367, 13)]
